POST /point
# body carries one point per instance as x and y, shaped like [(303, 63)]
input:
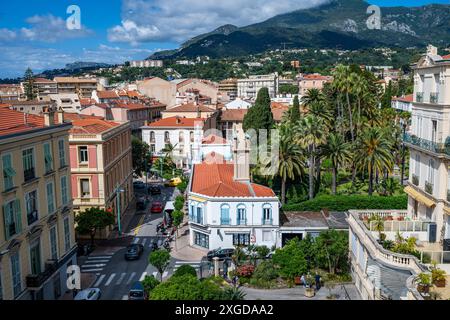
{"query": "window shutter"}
[(18, 214), (6, 221)]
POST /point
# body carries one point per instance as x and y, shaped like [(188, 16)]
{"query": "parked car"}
[(174, 182), (134, 251), (220, 253), (89, 294), (155, 190), (141, 204), (137, 292), (138, 185), (157, 207)]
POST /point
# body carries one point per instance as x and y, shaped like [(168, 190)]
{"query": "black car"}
[(155, 190), (138, 185), (134, 251), (220, 253), (141, 204)]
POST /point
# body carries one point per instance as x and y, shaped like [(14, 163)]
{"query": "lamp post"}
[(118, 192)]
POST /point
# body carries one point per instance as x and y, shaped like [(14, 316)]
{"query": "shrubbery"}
[(185, 269), (345, 203)]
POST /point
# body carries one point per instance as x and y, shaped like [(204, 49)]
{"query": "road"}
[(115, 275)]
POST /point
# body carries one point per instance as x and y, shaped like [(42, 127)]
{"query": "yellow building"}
[(37, 238)]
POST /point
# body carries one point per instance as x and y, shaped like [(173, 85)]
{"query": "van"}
[(167, 213), (137, 292)]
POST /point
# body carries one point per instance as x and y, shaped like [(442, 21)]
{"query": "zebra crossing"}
[(95, 263), (124, 278)]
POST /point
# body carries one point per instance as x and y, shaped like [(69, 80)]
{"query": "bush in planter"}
[(438, 277), (423, 282)]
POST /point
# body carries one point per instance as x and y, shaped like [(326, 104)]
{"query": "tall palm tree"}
[(373, 152), (311, 132), (311, 97), (338, 151), (344, 84)]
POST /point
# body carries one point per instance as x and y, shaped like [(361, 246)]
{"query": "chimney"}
[(241, 157), (431, 50), (49, 116), (60, 116)]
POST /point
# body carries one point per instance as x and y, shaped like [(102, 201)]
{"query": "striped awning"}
[(447, 210), (416, 195), (198, 199)]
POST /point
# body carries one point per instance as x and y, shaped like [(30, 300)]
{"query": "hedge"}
[(354, 202)]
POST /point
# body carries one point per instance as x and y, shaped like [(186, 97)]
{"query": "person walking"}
[(317, 278), (303, 280)]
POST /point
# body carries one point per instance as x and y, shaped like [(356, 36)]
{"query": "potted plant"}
[(423, 282), (309, 292), (438, 277)]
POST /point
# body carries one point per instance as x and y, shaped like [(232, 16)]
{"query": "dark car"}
[(138, 185), (155, 190), (157, 207), (137, 292), (134, 252), (141, 204), (220, 253)]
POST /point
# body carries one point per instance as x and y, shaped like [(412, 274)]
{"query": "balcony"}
[(434, 97), (29, 174), (428, 145), (267, 222), (415, 180), (37, 280), (241, 222), (419, 97), (428, 187), (225, 221)]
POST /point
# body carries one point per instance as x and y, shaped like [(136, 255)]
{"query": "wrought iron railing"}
[(419, 96), (434, 97), (428, 187), (443, 148), (415, 180)]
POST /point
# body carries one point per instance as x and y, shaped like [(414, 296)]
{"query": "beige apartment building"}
[(81, 86), (37, 241), (312, 81), (249, 88)]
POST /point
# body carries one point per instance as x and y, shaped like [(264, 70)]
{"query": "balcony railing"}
[(415, 180), (267, 221), (37, 280), (428, 187), (29, 174), (225, 221), (434, 97), (427, 144), (241, 222), (419, 96)]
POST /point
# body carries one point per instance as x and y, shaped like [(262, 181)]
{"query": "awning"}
[(447, 210), (416, 195), (198, 199)]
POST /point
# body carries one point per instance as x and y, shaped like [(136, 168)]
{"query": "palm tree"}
[(338, 151), (344, 84), (373, 152), (311, 133), (312, 97)]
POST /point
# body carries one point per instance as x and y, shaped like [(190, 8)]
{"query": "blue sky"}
[(34, 33)]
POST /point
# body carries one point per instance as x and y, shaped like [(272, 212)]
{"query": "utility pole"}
[(118, 192)]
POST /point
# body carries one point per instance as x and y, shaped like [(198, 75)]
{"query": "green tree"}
[(177, 218), (260, 115), (160, 259), (331, 248), (91, 220), (295, 112), (338, 152), (290, 260), (28, 85), (187, 287), (344, 84), (140, 154), (149, 284), (185, 269)]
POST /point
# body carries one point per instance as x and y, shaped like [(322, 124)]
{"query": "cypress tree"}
[(260, 115), (28, 84), (295, 112)]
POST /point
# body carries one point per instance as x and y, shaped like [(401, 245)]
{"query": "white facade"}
[(238, 104), (69, 102), (248, 88), (214, 222)]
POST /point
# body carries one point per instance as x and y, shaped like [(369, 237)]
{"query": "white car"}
[(89, 294)]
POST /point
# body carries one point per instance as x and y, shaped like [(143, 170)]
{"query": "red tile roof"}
[(87, 102), (233, 115), (190, 107), (92, 126), (177, 122), (315, 77), (216, 180), (107, 95), (407, 98), (14, 122), (130, 106), (446, 57), (78, 116)]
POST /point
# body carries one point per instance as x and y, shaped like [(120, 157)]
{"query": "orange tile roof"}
[(177, 122), (315, 77), (233, 115), (190, 107), (87, 102), (14, 122), (107, 95), (446, 57), (92, 126), (407, 98), (130, 106), (216, 180), (77, 116)]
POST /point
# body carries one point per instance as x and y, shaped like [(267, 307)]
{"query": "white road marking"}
[(143, 276), (155, 274), (93, 265), (110, 279), (165, 274), (99, 257), (90, 270), (121, 279), (125, 297), (96, 261), (131, 277), (99, 280)]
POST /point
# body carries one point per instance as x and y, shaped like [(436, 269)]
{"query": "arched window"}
[(241, 214), (225, 214), (267, 214), (199, 215), (181, 137), (191, 135), (152, 136)]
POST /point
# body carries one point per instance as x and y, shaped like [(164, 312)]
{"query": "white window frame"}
[(64, 191), (53, 244), (50, 209), (81, 151)]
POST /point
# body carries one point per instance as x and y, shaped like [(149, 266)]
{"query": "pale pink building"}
[(312, 81)]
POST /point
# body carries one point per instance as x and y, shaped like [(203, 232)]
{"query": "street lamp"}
[(118, 191)]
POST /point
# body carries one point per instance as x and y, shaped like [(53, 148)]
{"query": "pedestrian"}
[(317, 277), (303, 280)]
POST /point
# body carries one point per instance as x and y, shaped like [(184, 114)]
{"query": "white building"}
[(238, 104), (177, 131), (226, 209), (403, 103), (69, 102), (429, 144), (248, 88)]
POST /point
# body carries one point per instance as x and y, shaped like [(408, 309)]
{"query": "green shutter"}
[(18, 214), (6, 222)]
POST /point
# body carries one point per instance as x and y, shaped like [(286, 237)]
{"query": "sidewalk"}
[(181, 250)]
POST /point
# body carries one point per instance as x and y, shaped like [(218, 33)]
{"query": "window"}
[(66, 234), (50, 198), (83, 154), (181, 137), (225, 214), (267, 236), (15, 272), (31, 207), (431, 171), (199, 217), (48, 159), (417, 165), (201, 240), (53, 243), (167, 137), (191, 135), (85, 188), (62, 153), (241, 239), (153, 148), (12, 218), (35, 258), (8, 172), (241, 215), (28, 164), (152, 136), (433, 130), (64, 193), (267, 214)]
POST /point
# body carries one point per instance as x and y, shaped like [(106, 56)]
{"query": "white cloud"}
[(7, 35), (179, 20)]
